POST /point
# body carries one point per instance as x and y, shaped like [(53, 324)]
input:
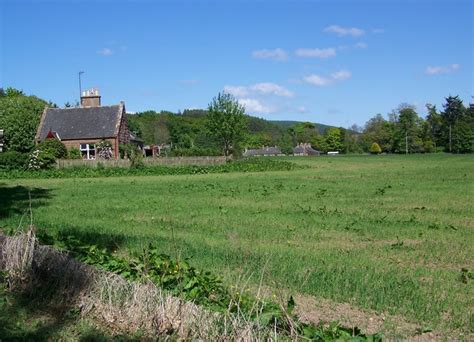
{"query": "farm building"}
[(264, 151), (305, 149), (84, 127)]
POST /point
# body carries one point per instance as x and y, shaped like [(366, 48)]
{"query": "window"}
[(88, 151)]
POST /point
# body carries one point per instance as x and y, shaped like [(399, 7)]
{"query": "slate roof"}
[(81, 123), (262, 152), (300, 149)]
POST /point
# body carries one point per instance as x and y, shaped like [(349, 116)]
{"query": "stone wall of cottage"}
[(124, 132)]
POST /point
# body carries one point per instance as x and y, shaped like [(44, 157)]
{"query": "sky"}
[(333, 62)]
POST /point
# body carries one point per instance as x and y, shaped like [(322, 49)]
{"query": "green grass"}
[(389, 233)]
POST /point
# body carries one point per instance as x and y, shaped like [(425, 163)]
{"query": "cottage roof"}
[(81, 123), (263, 151)]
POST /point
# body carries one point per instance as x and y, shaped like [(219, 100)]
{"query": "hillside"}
[(186, 130), (285, 124)]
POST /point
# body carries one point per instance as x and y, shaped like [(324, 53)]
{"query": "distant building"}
[(305, 149), (264, 151), (84, 127)]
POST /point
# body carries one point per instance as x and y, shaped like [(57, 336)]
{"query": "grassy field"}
[(386, 233)]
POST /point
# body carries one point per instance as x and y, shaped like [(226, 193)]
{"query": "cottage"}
[(86, 126), (264, 151), (305, 149)]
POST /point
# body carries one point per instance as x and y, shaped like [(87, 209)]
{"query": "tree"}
[(407, 137), (453, 111), (463, 133), (334, 139), (375, 148), (381, 131), (19, 118), (433, 126), (226, 121)]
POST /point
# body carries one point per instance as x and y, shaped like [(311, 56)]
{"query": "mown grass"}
[(389, 233)]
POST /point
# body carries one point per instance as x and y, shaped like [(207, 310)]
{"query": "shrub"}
[(53, 147), (13, 160), (104, 150), (74, 153), (41, 159), (375, 148)]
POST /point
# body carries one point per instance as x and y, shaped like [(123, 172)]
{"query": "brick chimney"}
[(90, 98)]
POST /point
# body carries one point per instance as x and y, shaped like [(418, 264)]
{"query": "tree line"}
[(225, 128)]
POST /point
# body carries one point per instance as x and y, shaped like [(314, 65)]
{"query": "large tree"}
[(453, 111), (19, 118), (226, 121)]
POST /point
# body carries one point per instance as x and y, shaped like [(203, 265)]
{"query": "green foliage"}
[(104, 150), (226, 121), (74, 153), (375, 148), (194, 151), (19, 117), (41, 159), (179, 278), (334, 139), (53, 147), (13, 161), (244, 165)]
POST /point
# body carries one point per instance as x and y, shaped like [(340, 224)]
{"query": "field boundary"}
[(168, 161)]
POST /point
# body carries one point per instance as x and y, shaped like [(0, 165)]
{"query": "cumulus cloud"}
[(255, 106), (237, 91), (265, 88), (105, 52), (272, 89), (435, 70), (341, 75), (275, 54), (320, 53), (322, 81), (344, 31)]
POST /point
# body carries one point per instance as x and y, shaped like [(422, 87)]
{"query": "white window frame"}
[(87, 149)]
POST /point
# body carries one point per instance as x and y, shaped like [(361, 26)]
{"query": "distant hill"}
[(285, 124)]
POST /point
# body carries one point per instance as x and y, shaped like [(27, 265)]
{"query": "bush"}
[(375, 148), (74, 153), (41, 159), (53, 147), (104, 150), (13, 160)]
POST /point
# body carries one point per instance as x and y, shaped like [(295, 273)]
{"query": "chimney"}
[(90, 98)]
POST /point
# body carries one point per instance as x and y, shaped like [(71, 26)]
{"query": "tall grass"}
[(389, 233)]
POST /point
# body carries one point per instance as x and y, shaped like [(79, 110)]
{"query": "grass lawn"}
[(386, 233)]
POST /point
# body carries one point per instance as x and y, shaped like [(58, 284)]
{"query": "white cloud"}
[(275, 54), (322, 81), (237, 91), (265, 88), (271, 88), (435, 70), (341, 75), (105, 52), (317, 80), (361, 45), (255, 106), (320, 53), (344, 31)]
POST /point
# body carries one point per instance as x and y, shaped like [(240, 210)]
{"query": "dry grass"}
[(119, 304)]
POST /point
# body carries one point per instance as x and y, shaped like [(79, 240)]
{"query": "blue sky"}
[(334, 62)]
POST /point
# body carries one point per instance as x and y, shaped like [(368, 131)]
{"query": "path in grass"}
[(388, 233)]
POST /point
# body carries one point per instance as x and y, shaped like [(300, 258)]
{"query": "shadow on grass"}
[(15, 200)]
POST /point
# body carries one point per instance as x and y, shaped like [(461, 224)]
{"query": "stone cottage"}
[(85, 126)]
